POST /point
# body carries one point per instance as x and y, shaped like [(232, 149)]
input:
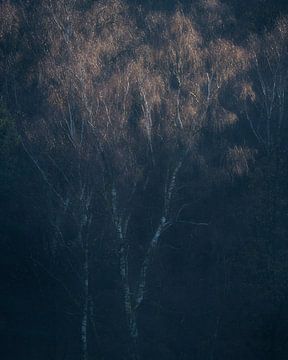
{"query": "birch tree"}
[(175, 83), (67, 136)]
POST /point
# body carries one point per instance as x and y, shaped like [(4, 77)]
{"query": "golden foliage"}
[(238, 159), (246, 92), (227, 60), (223, 118), (174, 78)]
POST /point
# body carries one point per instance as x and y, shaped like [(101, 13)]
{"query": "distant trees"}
[(267, 97), (265, 108)]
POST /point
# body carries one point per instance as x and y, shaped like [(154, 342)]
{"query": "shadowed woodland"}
[(143, 180)]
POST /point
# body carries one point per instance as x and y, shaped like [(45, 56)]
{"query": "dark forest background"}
[(143, 180)]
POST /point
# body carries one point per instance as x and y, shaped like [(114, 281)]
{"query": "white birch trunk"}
[(133, 301), (130, 312)]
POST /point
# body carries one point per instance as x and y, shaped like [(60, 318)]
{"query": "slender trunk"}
[(147, 262), (84, 324), (133, 330), (129, 304), (130, 310)]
